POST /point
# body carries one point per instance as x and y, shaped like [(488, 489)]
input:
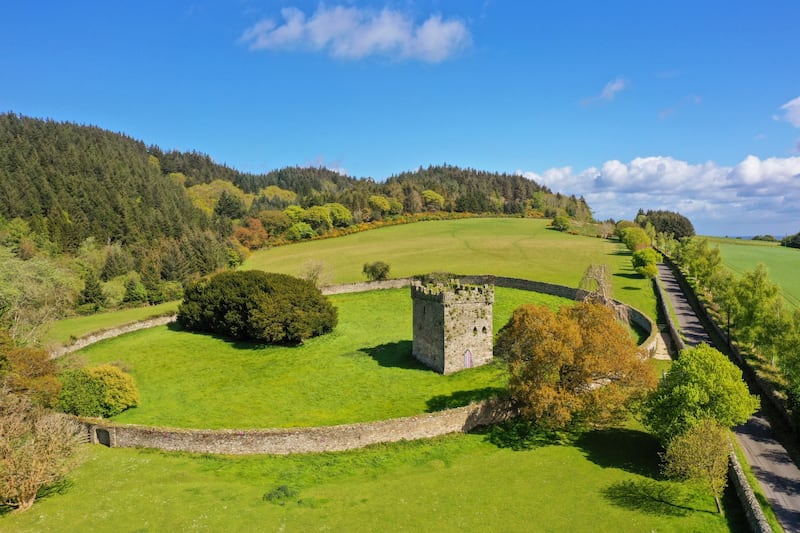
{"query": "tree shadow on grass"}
[(651, 496), (461, 398), (238, 344), (627, 449), (59, 487), (627, 275), (520, 434), (395, 355)]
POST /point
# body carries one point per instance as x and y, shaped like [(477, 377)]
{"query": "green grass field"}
[(362, 371), (606, 481), (64, 331), (783, 264), (523, 248)]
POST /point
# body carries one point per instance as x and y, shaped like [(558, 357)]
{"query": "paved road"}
[(778, 476)]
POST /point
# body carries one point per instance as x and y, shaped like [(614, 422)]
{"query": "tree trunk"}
[(719, 505), (24, 504)]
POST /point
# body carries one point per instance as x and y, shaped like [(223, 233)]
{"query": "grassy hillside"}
[(783, 264), (523, 248), (608, 481)]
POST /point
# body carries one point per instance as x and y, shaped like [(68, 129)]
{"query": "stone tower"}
[(452, 325)]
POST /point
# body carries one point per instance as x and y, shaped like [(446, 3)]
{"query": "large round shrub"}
[(103, 390), (259, 306)]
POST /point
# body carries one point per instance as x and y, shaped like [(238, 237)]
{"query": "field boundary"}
[(325, 438), (300, 440), (755, 515), (635, 315)]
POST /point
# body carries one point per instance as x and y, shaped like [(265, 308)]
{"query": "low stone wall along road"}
[(778, 476)]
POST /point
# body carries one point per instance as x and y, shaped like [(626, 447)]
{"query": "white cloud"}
[(792, 112), (609, 92), (754, 196), (354, 33)]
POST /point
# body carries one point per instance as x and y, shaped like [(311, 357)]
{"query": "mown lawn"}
[(606, 481), (523, 248), (783, 264), (362, 371)]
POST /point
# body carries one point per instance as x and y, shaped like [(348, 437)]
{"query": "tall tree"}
[(573, 369), (92, 293), (668, 222), (700, 259), (701, 384), (701, 455), (758, 303)]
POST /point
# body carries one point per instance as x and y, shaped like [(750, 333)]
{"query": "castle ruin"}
[(452, 325)]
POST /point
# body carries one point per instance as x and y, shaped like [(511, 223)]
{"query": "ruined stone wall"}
[(300, 440)]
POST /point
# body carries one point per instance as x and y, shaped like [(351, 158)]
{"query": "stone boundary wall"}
[(755, 515), (110, 334), (365, 286), (671, 327), (326, 438), (768, 392), (300, 440)]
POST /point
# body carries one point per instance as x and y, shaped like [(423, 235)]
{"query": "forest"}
[(104, 220)]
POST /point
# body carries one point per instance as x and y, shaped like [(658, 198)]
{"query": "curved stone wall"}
[(299, 440), (110, 334), (328, 438)]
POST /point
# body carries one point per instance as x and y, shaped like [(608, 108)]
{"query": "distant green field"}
[(507, 247), (362, 371), (783, 264), (523, 248), (607, 481)]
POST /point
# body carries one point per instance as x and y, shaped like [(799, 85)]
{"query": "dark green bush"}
[(80, 394), (259, 306), (376, 271)]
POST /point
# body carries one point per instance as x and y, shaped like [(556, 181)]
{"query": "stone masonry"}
[(452, 325)]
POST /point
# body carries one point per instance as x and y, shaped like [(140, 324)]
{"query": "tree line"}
[(92, 219), (749, 307)]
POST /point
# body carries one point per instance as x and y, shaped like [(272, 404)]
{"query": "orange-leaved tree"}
[(576, 368)]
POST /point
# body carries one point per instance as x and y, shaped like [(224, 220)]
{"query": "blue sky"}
[(691, 106)]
